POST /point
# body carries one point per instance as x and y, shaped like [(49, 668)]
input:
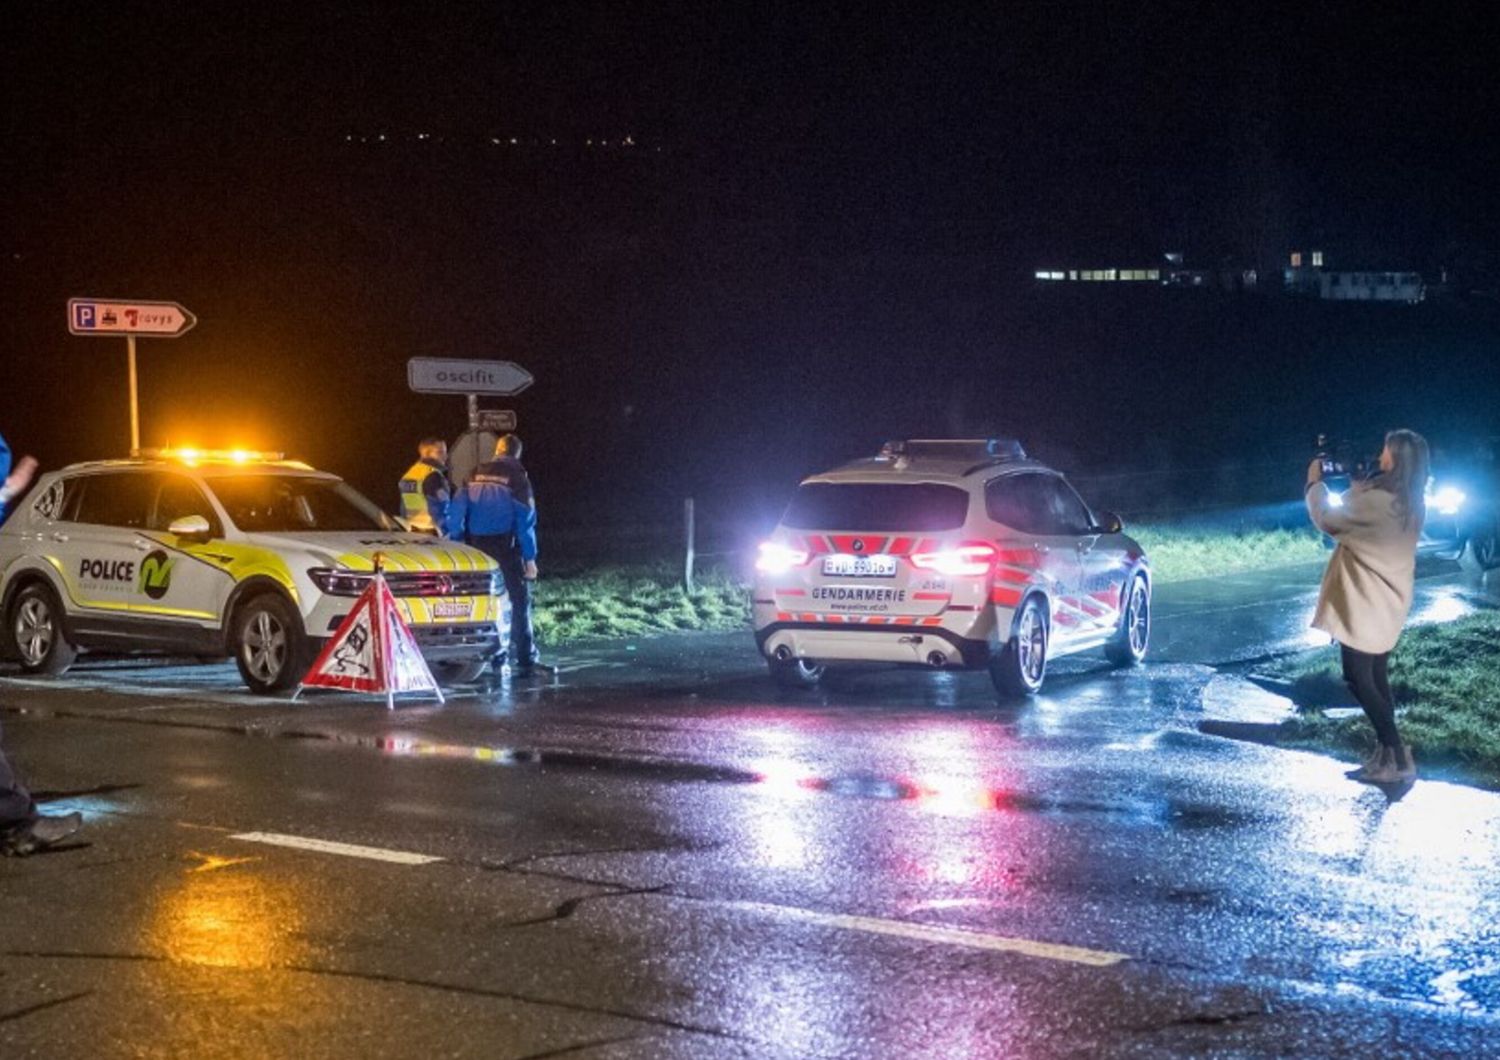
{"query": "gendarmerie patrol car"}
[(236, 554), (947, 554)]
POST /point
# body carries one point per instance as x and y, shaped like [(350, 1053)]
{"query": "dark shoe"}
[(40, 833), (1370, 762), (1406, 767), (1384, 771)]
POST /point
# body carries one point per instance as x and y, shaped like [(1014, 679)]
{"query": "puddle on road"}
[(943, 796)]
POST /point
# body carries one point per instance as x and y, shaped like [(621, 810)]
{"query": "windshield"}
[(289, 504), (905, 506)]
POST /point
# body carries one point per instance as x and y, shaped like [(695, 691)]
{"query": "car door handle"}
[(142, 546), (59, 536)]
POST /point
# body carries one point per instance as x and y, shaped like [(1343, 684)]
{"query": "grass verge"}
[(1180, 554), (1446, 679), (631, 601)]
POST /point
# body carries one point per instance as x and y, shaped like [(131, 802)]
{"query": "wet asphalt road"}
[(657, 855)]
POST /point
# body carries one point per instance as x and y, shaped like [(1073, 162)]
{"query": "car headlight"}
[(1446, 500), (339, 582)]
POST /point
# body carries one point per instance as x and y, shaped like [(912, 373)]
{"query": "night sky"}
[(764, 239)]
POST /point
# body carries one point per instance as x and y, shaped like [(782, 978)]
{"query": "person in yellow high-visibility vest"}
[(425, 489)]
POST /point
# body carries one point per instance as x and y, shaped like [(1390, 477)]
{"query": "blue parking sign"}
[(84, 315)]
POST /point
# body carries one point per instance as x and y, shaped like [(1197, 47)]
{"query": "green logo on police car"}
[(156, 574)]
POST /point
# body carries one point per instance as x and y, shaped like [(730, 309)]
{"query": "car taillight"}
[(776, 558), (957, 562)]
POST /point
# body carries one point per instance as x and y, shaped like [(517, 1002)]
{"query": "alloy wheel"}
[(265, 646), (1031, 645), (1139, 617), (35, 631)]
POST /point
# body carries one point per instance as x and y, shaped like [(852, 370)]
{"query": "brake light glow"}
[(776, 558), (966, 560)]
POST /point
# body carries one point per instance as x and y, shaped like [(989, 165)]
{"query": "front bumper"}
[(450, 642)]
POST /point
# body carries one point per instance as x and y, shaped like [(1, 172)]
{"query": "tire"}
[(270, 647), (36, 630), (1481, 551), (1128, 647), (795, 673), (460, 671), (1021, 666)]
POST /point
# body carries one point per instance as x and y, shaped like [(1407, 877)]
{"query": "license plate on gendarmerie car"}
[(846, 566)]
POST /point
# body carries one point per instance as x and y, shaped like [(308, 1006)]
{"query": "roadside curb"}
[(1239, 708)]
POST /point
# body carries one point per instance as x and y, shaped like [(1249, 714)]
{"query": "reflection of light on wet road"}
[(1422, 868), (1446, 605), (227, 920), (91, 806), (1448, 988), (407, 746)]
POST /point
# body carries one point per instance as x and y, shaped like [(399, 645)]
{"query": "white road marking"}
[(947, 936), (325, 846)]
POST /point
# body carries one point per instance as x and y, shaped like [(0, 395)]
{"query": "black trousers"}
[(16, 807), (505, 551), (1365, 674)]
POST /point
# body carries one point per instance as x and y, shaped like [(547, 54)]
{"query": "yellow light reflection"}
[(236, 919)]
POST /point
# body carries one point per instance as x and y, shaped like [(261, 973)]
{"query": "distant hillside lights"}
[(1305, 275), (1096, 275), (1171, 271), (627, 141)]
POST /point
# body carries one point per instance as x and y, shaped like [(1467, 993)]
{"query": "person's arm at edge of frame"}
[(525, 516), (439, 498), (13, 482), (458, 515), (4, 474)]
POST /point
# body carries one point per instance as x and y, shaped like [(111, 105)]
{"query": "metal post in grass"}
[(689, 535)]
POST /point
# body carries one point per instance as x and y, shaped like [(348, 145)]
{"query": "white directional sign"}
[(98, 316), (439, 375)]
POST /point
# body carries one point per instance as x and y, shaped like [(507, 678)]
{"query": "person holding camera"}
[(1368, 587)]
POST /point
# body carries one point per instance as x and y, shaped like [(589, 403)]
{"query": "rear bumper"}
[(896, 645)]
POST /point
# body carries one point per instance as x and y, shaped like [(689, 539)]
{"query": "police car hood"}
[(357, 550)]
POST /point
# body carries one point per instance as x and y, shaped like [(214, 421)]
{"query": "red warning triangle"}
[(373, 651)]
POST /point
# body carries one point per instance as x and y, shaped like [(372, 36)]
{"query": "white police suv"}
[(222, 554), (947, 554)]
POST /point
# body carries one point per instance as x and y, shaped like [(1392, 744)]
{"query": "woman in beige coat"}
[(1367, 589)]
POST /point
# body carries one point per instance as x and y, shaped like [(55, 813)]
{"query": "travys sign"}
[(98, 316), (130, 320), (440, 375)]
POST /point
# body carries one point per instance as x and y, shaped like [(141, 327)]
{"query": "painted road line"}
[(934, 933), (325, 846)]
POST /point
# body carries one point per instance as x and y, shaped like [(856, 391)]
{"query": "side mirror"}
[(191, 526), (1109, 523)]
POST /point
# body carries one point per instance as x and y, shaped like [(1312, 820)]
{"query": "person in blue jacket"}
[(22, 829), (495, 511)]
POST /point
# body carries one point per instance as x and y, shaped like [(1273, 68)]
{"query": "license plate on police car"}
[(453, 609), (845, 566)]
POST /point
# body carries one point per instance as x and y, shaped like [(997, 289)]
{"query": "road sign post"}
[(135, 396), (113, 319)]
